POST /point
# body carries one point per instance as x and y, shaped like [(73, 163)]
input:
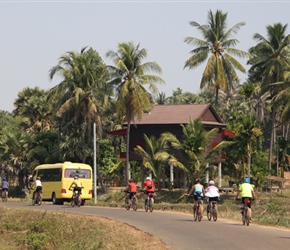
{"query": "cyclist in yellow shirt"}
[(247, 192), (76, 184)]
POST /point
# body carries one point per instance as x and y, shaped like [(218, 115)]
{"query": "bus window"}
[(81, 173)]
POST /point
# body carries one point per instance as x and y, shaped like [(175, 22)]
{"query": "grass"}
[(25, 229)]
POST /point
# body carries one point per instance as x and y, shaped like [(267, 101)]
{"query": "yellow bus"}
[(57, 178)]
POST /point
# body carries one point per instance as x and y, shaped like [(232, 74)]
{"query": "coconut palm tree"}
[(270, 60), (83, 93), (217, 46), (194, 149), (156, 157), (130, 77)]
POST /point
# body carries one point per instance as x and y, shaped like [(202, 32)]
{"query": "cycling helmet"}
[(37, 178), (211, 182), (247, 180), (76, 177), (131, 180), (3, 179), (197, 180), (148, 178)]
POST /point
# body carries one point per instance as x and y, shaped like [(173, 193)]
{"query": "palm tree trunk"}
[(216, 96), (272, 139), (127, 168)]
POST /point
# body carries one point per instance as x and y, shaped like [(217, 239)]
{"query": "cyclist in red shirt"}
[(149, 185), (132, 189)]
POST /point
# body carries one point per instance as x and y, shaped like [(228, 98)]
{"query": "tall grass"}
[(25, 229)]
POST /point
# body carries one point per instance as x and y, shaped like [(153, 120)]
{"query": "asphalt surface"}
[(178, 230)]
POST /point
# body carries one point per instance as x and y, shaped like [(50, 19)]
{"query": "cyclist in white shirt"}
[(212, 192)]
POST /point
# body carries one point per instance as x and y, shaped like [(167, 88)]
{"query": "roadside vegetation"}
[(40, 230)]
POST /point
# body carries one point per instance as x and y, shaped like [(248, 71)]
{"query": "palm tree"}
[(156, 157), (130, 76), (83, 93), (218, 48), (194, 149), (270, 60), (32, 105)]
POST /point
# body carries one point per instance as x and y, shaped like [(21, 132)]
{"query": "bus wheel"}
[(54, 199)]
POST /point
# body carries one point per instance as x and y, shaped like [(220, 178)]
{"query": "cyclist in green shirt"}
[(247, 192), (76, 184)]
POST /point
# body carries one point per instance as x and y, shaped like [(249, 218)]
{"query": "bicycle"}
[(246, 218), (37, 198), (133, 203), (211, 210), (196, 209), (76, 199), (149, 202), (4, 196)]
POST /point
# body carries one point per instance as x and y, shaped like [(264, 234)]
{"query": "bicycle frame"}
[(196, 209), (133, 202), (245, 213), (149, 202), (4, 195), (211, 210)]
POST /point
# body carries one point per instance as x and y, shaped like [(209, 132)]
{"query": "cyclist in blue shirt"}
[(198, 191), (4, 186)]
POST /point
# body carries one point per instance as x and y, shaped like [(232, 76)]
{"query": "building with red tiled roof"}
[(167, 118)]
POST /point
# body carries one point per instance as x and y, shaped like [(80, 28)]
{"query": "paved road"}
[(180, 232)]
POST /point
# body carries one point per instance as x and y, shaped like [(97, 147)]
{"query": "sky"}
[(35, 34)]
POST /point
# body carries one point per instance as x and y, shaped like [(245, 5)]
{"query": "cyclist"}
[(4, 186), (132, 189), (77, 185), (247, 192), (38, 185), (198, 191), (149, 187), (212, 192)]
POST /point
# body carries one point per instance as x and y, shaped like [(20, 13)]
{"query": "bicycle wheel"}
[(199, 214), (214, 214), (151, 204), (134, 204), (247, 217), (244, 217), (209, 212), (146, 205), (72, 201), (195, 212), (127, 205), (39, 199), (79, 200), (33, 200)]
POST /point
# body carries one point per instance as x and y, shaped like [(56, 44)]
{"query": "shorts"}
[(247, 198), (38, 189), (198, 198), (79, 189), (213, 199), (150, 193), (131, 195), (3, 189)]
